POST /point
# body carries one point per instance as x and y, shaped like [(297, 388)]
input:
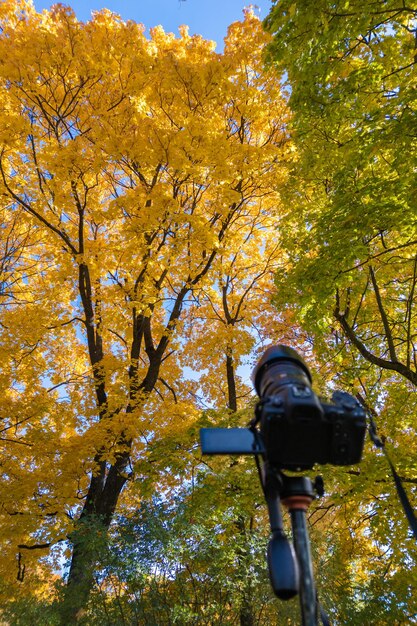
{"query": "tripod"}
[(290, 568)]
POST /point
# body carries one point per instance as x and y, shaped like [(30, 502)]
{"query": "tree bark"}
[(246, 610)]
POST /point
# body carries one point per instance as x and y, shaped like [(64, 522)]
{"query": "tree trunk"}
[(231, 384), (90, 537), (246, 611)]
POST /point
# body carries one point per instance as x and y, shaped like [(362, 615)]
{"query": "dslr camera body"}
[(296, 428)]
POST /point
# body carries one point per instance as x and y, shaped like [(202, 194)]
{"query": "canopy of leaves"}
[(351, 69), (142, 186), (351, 220), (139, 183)]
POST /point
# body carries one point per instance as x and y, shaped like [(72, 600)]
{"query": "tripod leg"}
[(302, 549), (297, 494), (282, 561)]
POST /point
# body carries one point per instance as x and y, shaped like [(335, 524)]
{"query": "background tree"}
[(189, 563), (352, 74), (142, 170), (351, 244)]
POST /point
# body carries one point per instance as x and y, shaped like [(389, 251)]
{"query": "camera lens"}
[(292, 423), (279, 366)]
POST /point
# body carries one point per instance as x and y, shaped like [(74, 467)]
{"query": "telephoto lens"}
[(293, 427), (279, 365)]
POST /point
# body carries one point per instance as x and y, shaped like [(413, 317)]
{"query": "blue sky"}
[(209, 18)]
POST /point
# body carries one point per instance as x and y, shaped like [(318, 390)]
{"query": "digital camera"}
[(296, 428)]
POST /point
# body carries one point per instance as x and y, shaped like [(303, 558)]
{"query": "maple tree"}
[(351, 251), (352, 72), (140, 182)]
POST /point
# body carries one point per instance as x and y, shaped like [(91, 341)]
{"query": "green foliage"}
[(193, 558), (350, 231)]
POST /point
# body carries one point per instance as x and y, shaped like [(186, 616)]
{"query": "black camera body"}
[(297, 429)]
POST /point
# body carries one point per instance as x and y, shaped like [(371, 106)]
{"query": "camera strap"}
[(380, 443)]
